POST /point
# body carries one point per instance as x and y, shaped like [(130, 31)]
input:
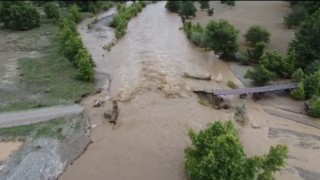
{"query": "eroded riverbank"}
[(157, 106)]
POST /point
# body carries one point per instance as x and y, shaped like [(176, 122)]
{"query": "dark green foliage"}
[(296, 17), (260, 75), (242, 57), (210, 11), (257, 34), (173, 6), (311, 6), (314, 106), (52, 10), (276, 62), (71, 47), (216, 153), (256, 52), (231, 3), (305, 47), (298, 75), (19, 15), (299, 93), (312, 85), (85, 65), (204, 5), (313, 67), (75, 14), (222, 38), (187, 9)]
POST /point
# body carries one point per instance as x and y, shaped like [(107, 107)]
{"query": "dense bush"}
[(52, 10), (187, 9), (210, 11), (195, 33), (305, 47), (242, 57), (299, 93), (298, 75), (257, 34), (204, 5), (314, 106), (260, 75), (312, 67), (222, 38), (296, 17), (71, 47), (19, 15), (85, 65), (276, 62), (173, 6), (216, 153), (256, 52), (75, 14), (120, 21), (311, 84)]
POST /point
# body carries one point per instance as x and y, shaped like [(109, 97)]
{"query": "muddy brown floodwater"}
[(157, 106)]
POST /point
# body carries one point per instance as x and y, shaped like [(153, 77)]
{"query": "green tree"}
[(297, 76), (71, 47), (75, 14), (216, 153), (210, 11), (173, 6), (305, 48), (299, 93), (231, 3), (19, 15), (257, 34), (187, 9), (85, 65), (260, 75), (257, 51), (313, 67), (298, 15), (204, 5), (311, 84), (276, 62), (52, 10), (314, 106), (222, 38)]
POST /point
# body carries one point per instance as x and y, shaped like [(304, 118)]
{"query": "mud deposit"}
[(46, 158), (157, 105)]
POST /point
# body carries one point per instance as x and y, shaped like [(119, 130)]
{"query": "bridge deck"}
[(239, 91)]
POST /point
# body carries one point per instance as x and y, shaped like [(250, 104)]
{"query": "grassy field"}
[(46, 79)]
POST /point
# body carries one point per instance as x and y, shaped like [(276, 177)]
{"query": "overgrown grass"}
[(46, 80), (51, 128)]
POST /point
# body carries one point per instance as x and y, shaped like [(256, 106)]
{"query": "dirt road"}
[(33, 116)]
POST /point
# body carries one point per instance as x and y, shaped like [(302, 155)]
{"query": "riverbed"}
[(157, 105)]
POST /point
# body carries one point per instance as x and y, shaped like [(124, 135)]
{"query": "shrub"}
[(299, 93), (19, 15), (257, 51), (210, 11), (314, 107), (85, 65), (257, 34), (204, 5), (240, 114), (173, 6), (216, 153), (260, 75), (311, 84), (298, 15), (242, 57), (232, 85), (75, 14), (222, 38), (52, 10), (275, 62), (312, 67), (297, 76), (187, 9), (305, 48), (71, 47)]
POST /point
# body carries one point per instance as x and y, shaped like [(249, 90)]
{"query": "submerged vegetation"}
[(120, 21)]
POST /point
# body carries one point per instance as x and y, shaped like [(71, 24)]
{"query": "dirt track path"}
[(34, 116)]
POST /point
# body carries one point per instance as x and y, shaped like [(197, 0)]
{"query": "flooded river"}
[(157, 106)]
